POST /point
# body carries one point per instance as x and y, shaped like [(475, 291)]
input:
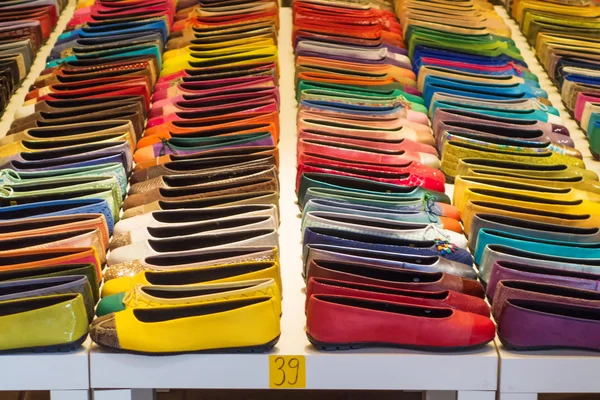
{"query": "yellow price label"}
[(287, 372)]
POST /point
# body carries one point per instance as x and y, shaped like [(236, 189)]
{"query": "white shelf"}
[(357, 369), (46, 371), (557, 371)]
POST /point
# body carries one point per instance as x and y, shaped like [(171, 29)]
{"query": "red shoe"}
[(397, 177), (357, 154), (341, 322), (441, 299)]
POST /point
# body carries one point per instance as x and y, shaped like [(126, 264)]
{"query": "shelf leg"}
[(440, 395), (70, 395), (518, 396), (476, 395), (123, 394)]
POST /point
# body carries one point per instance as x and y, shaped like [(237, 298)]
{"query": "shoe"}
[(402, 179), (36, 319), (527, 211), (543, 328), (356, 185), (260, 197), (370, 241), (532, 229), (38, 287), (58, 224), (423, 217), (150, 247), (35, 258), (494, 253), (190, 216), (237, 175), (454, 151), (212, 273), (405, 326), (443, 299), (526, 290), (503, 270), (395, 278), (380, 226), (576, 182), (208, 163), (461, 184), (523, 169), (195, 259), (216, 226), (239, 325), (385, 259), (216, 189), (488, 237), (14, 175), (92, 238), (397, 204), (162, 296), (57, 208)]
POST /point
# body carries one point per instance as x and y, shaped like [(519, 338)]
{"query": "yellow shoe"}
[(577, 208), (546, 171), (233, 45), (169, 295), (529, 213), (454, 151), (505, 184), (239, 325), (176, 64), (193, 276), (47, 323), (576, 182)]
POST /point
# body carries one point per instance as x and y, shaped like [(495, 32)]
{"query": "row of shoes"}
[(194, 262), (24, 28), (527, 203), (66, 162), (564, 36), (385, 260)]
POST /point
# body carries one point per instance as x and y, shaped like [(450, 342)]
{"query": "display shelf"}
[(66, 375), (525, 374), (473, 374)]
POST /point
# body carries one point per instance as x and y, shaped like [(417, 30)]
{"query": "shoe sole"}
[(361, 345), (262, 348), (56, 348), (540, 348)]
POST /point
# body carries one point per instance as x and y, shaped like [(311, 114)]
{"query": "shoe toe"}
[(483, 330), (104, 331), (473, 288), (120, 240), (451, 224), (449, 211)]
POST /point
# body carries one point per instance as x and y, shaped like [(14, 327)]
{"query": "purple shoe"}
[(541, 325), (36, 287), (523, 290), (504, 270)]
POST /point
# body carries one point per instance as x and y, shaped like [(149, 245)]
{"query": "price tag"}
[(287, 372)]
